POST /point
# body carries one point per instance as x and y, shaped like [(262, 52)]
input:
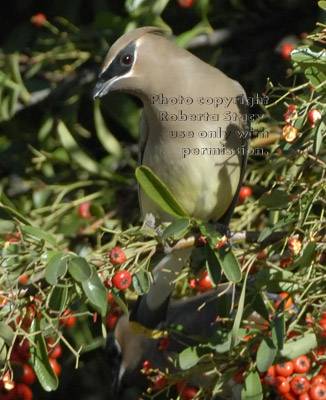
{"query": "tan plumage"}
[(205, 185), (145, 64)]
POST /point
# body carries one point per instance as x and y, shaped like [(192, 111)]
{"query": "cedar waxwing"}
[(193, 134), (126, 350)]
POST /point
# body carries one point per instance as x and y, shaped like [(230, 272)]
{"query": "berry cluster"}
[(293, 379), (159, 381), (15, 383), (18, 386)]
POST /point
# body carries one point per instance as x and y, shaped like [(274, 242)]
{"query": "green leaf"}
[(79, 156), (177, 227), (264, 234), (318, 138), (322, 4), (229, 263), (184, 38), (190, 357), (309, 55), (212, 235), (212, 265), (158, 192), (38, 234), (306, 259), (277, 199), (265, 354), (79, 269), (14, 212), (141, 282), (314, 76), (40, 359), (120, 298), (278, 329), (302, 345), (56, 267), (107, 139), (238, 316), (6, 333), (252, 389), (58, 298), (3, 350), (276, 281), (6, 226), (259, 306), (96, 293)]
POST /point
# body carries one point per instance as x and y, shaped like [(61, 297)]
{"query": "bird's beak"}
[(102, 88)]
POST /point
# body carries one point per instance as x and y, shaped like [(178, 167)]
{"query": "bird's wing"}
[(151, 308)]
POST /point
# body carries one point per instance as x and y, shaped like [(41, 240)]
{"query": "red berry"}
[(261, 255), (117, 256), (322, 331), (38, 19), (323, 371), (67, 319), (222, 242), (202, 239), (28, 375), (204, 281), (301, 365), (245, 191), (83, 209), (111, 319), (164, 344), (7, 394), (186, 3), (314, 115), (3, 301), (304, 396), (291, 114), (318, 392), (192, 283), (299, 384), (286, 51), (289, 396), (121, 280), (284, 369), (189, 393), (317, 355), (283, 298), (147, 365), (286, 261), (240, 375), (294, 245), (269, 378), (282, 384), (22, 391), (23, 350), (55, 366), (289, 133), (317, 379), (56, 351), (23, 279), (110, 298), (159, 382)]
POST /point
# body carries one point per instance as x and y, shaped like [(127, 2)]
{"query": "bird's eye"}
[(126, 59)]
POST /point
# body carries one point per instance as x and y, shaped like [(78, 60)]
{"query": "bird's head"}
[(125, 353), (129, 62)]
